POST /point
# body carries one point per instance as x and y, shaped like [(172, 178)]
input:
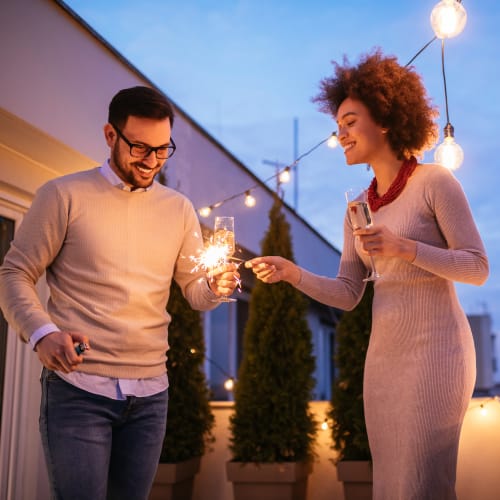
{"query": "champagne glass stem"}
[(374, 274)]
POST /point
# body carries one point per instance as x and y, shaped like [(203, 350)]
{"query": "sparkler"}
[(212, 257)]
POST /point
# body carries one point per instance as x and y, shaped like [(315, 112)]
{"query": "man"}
[(110, 240)]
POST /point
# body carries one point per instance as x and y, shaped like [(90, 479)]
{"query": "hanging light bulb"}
[(324, 425), (448, 18), (285, 176), (250, 200), (333, 140), (204, 211), (449, 153), (229, 384)]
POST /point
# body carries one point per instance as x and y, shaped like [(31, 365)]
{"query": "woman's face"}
[(361, 138)]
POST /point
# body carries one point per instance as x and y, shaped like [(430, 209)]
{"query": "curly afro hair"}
[(394, 95)]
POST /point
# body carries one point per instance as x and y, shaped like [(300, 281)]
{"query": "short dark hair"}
[(394, 95), (143, 102)]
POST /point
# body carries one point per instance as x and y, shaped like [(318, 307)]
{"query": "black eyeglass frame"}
[(170, 148)]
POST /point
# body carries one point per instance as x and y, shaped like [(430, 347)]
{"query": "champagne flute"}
[(361, 217), (224, 238)]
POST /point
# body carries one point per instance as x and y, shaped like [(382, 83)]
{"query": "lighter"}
[(81, 348)]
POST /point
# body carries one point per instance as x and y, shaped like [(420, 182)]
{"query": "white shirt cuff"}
[(41, 332)]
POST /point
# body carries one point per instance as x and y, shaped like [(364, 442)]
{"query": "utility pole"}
[(277, 166)]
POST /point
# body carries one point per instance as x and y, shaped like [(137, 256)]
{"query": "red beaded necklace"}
[(375, 201)]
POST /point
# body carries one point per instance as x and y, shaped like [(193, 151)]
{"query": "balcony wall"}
[(479, 457)]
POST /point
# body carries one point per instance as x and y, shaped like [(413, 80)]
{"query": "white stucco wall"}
[(56, 83), (477, 471)]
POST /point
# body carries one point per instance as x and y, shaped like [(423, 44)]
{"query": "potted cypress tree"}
[(346, 409), (190, 420), (272, 428)]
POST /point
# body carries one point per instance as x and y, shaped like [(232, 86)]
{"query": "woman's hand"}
[(378, 240), (272, 269)]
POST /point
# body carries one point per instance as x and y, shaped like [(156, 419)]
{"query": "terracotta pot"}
[(357, 479), (175, 481), (270, 481)]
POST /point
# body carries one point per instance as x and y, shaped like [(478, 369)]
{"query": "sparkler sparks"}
[(212, 257)]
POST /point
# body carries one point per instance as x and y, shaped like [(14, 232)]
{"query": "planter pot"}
[(270, 481), (175, 481), (357, 479)]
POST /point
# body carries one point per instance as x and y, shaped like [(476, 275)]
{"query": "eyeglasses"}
[(143, 150)]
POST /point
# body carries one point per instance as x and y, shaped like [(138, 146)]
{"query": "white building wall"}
[(56, 83)]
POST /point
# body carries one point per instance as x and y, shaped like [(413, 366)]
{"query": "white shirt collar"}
[(109, 174)]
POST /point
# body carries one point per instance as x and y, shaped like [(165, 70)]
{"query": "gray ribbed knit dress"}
[(420, 365)]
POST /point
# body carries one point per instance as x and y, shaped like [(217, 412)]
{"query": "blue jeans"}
[(98, 448)]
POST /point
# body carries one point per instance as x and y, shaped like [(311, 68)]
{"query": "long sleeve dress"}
[(420, 365)]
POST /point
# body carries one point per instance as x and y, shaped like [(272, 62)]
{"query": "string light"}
[(249, 199), (229, 382), (284, 176), (333, 140), (205, 211), (448, 153), (448, 18), (324, 424), (420, 51)]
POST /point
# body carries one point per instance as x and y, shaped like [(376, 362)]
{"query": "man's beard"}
[(128, 175)]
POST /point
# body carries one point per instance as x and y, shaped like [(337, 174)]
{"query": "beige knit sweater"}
[(420, 366), (110, 256)]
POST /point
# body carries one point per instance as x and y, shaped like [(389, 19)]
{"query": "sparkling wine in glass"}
[(224, 238), (361, 217)]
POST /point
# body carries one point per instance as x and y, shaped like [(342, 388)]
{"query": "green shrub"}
[(272, 421), (190, 420), (346, 410)]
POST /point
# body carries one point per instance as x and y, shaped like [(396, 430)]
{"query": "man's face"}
[(137, 172)]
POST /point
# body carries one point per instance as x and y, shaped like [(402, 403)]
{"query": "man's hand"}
[(224, 279), (57, 352)]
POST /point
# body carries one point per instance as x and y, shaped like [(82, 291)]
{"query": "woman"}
[(420, 365)]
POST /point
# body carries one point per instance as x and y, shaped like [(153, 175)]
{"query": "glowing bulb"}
[(448, 18), (449, 153), (204, 211), (324, 425), (483, 410), (250, 201), (285, 176), (333, 140), (229, 384)]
